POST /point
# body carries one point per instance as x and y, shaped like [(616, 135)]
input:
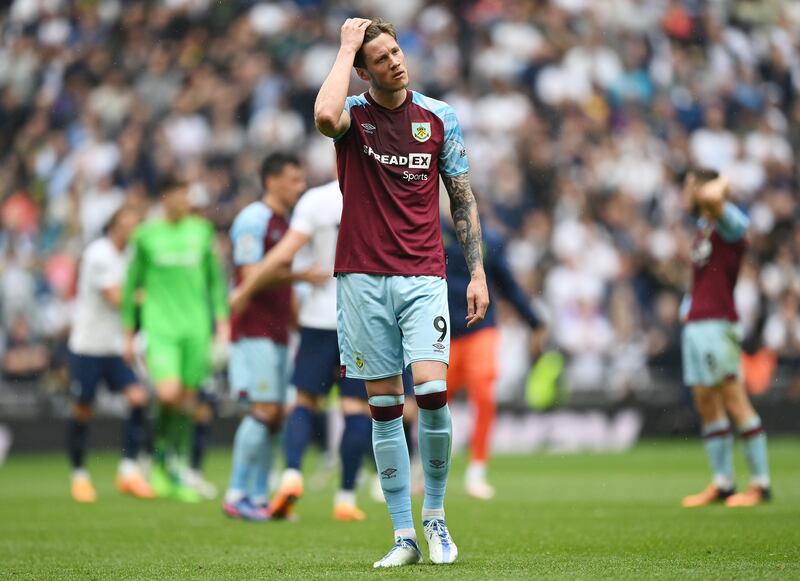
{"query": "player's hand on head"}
[(353, 31), (477, 300), (711, 197)]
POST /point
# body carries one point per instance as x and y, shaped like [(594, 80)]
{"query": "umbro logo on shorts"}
[(389, 473), (436, 463)]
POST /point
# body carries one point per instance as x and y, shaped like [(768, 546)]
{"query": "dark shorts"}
[(316, 366), (87, 371)]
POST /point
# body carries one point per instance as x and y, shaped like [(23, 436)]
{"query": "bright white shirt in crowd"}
[(318, 214), (97, 327)]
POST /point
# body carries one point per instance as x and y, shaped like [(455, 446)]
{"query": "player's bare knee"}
[(306, 400), (354, 406), (425, 371), (82, 412), (202, 412), (137, 396), (385, 386), (269, 414), (708, 402), (169, 394)]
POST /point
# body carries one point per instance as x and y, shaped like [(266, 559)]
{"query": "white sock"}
[(345, 497), (233, 496), (80, 474), (476, 472), (430, 513), (405, 534), (127, 467), (259, 501), (722, 482), (291, 473), (760, 481)]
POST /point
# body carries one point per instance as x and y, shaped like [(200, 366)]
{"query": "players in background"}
[(259, 364), (473, 352), (96, 345), (315, 222), (712, 346), (177, 269), (392, 147)]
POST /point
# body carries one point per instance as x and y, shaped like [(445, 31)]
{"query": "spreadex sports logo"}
[(411, 161)]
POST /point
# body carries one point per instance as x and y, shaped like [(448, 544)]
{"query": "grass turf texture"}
[(578, 516)]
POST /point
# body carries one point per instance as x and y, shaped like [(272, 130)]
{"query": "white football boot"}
[(404, 552), (441, 548)]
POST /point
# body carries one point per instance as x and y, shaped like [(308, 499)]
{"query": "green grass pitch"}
[(555, 517)]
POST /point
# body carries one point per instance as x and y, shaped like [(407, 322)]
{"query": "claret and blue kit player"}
[(712, 346), (392, 146)]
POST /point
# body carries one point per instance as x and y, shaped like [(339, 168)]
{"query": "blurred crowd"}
[(580, 117)]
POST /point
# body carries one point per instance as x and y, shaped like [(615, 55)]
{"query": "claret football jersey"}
[(389, 163)]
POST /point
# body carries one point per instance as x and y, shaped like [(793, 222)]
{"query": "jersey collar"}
[(409, 97)]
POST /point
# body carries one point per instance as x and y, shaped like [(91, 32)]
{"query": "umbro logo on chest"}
[(368, 128)]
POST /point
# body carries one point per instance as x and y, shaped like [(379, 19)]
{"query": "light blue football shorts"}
[(388, 322), (712, 352), (258, 371)]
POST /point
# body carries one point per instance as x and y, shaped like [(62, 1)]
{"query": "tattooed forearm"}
[(465, 217)]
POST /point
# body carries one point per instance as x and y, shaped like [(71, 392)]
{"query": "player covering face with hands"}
[(712, 346), (393, 145)]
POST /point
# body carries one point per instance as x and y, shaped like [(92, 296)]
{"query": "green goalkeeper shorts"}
[(185, 359)]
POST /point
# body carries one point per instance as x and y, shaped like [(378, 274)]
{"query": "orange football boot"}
[(751, 497), (136, 485), (289, 492), (83, 491), (710, 495), (348, 512)]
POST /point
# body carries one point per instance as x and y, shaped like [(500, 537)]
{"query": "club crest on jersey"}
[(421, 131)]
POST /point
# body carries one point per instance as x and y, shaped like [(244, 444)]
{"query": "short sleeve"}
[(247, 237), (349, 103), (303, 216), (103, 271), (453, 156)]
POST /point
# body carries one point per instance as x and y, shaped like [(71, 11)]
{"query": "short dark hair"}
[(170, 183), (274, 164), (374, 30), (702, 175)]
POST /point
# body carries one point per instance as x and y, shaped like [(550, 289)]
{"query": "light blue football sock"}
[(246, 447), (391, 457), (755, 450), (435, 442), (262, 466), (718, 442)]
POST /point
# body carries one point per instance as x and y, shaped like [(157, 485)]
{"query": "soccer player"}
[(259, 363), (96, 345), (712, 347), (473, 352), (177, 269), (392, 147)]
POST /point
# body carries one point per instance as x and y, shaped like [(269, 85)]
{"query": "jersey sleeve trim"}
[(248, 233), (349, 103), (453, 156), (732, 225)]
